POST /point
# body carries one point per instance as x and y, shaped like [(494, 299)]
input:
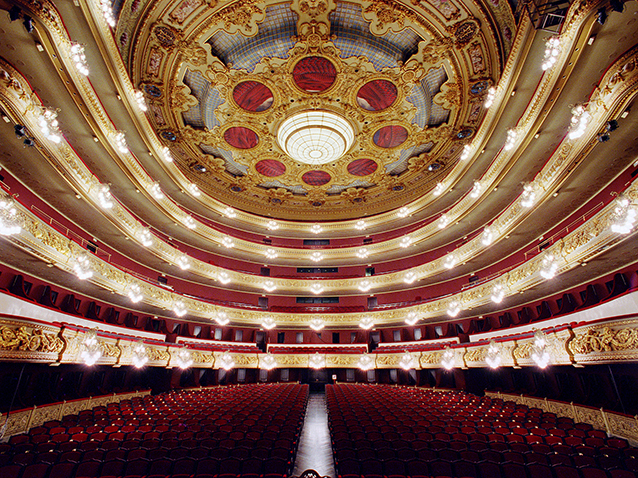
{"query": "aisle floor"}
[(315, 449)]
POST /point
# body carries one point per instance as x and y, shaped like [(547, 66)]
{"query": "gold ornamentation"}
[(242, 17), (33, 340), (604, 340)]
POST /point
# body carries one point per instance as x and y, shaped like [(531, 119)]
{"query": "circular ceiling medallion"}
[(253, 96), (316, 178), (314, 74), (390, 136), (377, 95), (362, 167), (270, 167), (315, 137), (241, 138)]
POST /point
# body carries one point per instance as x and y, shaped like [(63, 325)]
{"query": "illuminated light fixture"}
[(510, 141), (493, 357), (230, 213), (267, 362), (179, 308), (194, 190), (315, 136), (49, 125), (120, 142), (269, 286), (365, 362), (407, 361), (552, 50), (141, 101), (528, 197), (228, 242), (316, 256), (316, 229), (79, 58), (317, 361), (450, 261), (448, 359), (107, 12), (579, 122), (183, 262), (268, 323), (316, 288), (91, 351), (184, 359), (360, 225), (539, 350), (270, 253), (467, 149), (549, 266), (498, 293), (135, 293), (168, 157), (444, 220), (222, 318), (365, 286), (409, 277), (624, 216), (272, 225), (8, 217), (105, 197), (363, 253), (156, 191), (438, 189), (412, 318), (366, 323), (491, 96), (82, 267), (223, 277), (405, 241), (140, 355), (317, 324), (488, 236), (454, 308), (226, 361), (189, 222), (476, 190), (145, 236), (403, 212)]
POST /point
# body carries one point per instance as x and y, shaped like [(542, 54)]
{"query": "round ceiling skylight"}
[(315, 137)]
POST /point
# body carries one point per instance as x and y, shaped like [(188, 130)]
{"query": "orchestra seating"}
[(382, 431), (248, 430)]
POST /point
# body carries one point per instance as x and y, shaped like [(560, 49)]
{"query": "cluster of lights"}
[(269, 286), (107, 12), (493, 357), (135, 293), (489, 99), (140, 355), (184, 359), (271, 253), (539, 350), (403, 212), (317, 361), (366, 323), (168, 157), (145, 236), (141, 101), (360, 225), (183, 262), (105, 197), (230, 213), (578, 124), (8, 217), (510, 141), (316, 229), (448, 358), (498, 293), (365, 362), (409, 277), (179, 308), (316, 256), (223, 277), (444, 220), (120, 142), (362, 253), (226, 361), (552, 50), (189, 222), (407, 361), (227, 242), (91, 351), (79, 58), (82, 267), (549, 266), (268, 362), (194, 190), (488, 236), (49, 125), (476, 190), (467, 150), (268, 323), (450, 261), (454, 308), (438, 189), (317, 324), (528, 197), (365, 285), (316, 288), (412, 318), (624, 216), (406, 241), (156, 191), (222, 318), (272, 225)]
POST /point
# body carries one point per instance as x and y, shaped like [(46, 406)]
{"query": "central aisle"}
[(315, 449)]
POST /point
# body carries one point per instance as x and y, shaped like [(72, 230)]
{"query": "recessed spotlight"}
[(591, 40)]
